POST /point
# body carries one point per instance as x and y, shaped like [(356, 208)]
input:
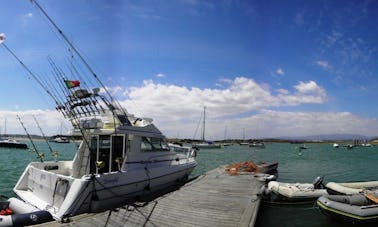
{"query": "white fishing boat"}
[(121, 159), (357, 208), (295, 192), (351, 187)]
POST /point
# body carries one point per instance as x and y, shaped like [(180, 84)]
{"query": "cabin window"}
[(107, 153), (153, 144), (103, 154), (117, 152)]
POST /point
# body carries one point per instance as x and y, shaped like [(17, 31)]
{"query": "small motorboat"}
[(334, 188), (294, 192), (357, 208), (12, 143), (257, 144), (15, 212), (265, 167)]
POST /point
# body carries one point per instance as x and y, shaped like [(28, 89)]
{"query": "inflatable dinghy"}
[(357, 208), (15, 212), (351, 188), (295, 192)]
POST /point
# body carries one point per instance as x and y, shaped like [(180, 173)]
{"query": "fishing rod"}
[(92, 98), (82, 59), (70, 102), (40, 156), (73, 47), (54, 153), (31, 73)]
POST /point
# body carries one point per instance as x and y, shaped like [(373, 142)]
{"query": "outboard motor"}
[(318, 182)]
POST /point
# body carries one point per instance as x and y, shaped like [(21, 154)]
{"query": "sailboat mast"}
[(203, 123)]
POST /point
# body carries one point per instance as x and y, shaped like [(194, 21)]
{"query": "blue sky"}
[(269, 68)]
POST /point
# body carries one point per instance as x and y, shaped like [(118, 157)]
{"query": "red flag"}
[(72, 83)]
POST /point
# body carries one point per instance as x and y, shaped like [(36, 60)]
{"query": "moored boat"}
[(15, 212), (207, 145), (61, 139), (204, 144), (121, 159), (12, 143), (350, 188), (257, 144), (294, 192), (357, 208)]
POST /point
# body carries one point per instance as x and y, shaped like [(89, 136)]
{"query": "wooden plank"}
[(214, 199)]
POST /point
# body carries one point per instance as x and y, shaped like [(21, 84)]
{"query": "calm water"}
[(341, 165)]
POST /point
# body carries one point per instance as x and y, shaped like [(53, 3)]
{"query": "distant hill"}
[(330, 137)]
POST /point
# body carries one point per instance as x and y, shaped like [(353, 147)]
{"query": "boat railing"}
[(62, 167), (173, 157)]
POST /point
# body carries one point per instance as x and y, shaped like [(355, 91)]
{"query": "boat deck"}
[(212, 199)]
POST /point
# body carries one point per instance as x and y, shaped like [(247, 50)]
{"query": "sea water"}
[(319, 159)]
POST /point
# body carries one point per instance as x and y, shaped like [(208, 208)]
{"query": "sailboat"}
[(206, 144), (59, 138), (121, 159), (10, 142)]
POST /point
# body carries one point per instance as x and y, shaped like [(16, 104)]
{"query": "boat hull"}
[(349, 208), (292, 192), (63, 195), (208, 146), (350, 188), (13, 145), (264, 167)]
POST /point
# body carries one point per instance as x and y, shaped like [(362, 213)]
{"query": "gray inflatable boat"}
[(357, 208)]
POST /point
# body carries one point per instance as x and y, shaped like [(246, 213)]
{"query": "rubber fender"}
[(32, 218)]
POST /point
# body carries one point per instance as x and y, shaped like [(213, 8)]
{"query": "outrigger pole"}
[(40, 156)]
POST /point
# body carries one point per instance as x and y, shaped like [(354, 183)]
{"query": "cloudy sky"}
[(261, 68)]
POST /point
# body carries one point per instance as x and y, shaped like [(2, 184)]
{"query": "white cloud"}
[(172, 105), (324, 64), (241, 103), (280, 71), (309, 87), (240, 95), (49, 120), (160, 75)]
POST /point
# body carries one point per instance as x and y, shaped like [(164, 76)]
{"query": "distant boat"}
[(257, 144), (12, 143), (206, 144), (60, 139), (335, 145)]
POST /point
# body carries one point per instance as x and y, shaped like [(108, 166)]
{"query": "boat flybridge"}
[(120, 159)]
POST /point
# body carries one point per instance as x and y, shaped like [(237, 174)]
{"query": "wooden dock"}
[(213, 199)]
